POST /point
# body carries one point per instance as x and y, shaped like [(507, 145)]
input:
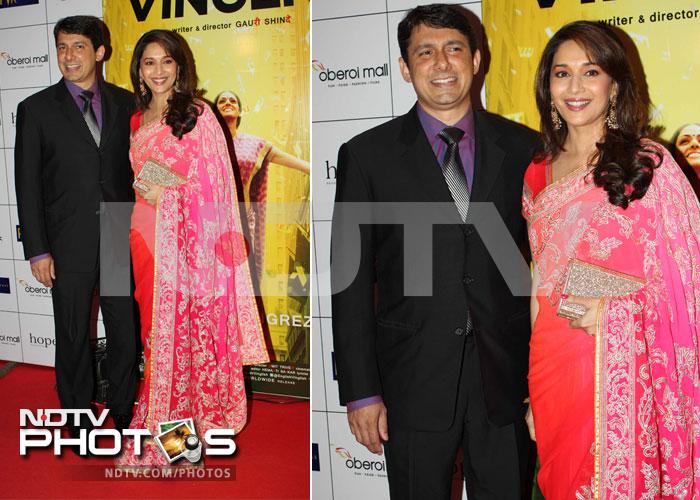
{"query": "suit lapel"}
[(109, 114), (418, 158), (488, 157), (70, 109)]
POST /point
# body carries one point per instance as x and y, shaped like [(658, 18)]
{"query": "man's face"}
[(77, 58), (441, 68)]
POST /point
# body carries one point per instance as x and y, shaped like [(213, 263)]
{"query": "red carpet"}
[(271, 461)]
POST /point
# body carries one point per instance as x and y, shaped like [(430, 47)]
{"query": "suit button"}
[(467, 280), (459, 331), (470, 230)]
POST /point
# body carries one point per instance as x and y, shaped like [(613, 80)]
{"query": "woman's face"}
[(158, 69), (688, 144), (580, 89), (228, 106)]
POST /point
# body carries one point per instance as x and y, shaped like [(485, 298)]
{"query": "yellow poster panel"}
[(666, 34), (259, 50)]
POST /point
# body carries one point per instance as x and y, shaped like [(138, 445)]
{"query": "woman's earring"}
[(176, 86), (556, 119), (142, 88), (611, 119)]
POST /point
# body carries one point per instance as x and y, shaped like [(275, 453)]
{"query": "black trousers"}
[(73, 295), (496, 460)]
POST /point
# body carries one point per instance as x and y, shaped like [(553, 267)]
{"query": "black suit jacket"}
[(61, 175), (409, 349)]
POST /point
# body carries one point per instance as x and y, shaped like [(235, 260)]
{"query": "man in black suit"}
[(428, 374), (71, 154)]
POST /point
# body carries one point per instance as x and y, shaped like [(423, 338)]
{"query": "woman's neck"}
[(581, 141), (159, 104), (232, 127)]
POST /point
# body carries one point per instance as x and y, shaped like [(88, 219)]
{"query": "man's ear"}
[(476, 60), (405, 71), (100, 53)]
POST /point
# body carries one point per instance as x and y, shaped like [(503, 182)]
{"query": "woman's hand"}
[(152, 192), (589, 320)]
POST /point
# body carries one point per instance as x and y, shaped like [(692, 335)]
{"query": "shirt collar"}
[(433, 126), (75, 90)]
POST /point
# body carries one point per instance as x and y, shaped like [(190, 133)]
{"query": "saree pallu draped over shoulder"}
[(617, 415), (199, 318)]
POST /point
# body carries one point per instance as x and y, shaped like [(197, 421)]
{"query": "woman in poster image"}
[(687, 152), (199, 320), (254, 154), (615, 392)]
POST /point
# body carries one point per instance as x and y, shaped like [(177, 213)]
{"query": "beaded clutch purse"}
[(588, 280), (156, 173)]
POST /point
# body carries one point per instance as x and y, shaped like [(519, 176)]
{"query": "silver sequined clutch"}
[(588, 280), (156, 173)]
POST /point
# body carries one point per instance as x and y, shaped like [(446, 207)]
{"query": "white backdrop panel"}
[(394, 5), (315, 309), (348, 36), (27, 64), (10, 337), (357, 473), (328, 138), (10, 176), (326, 9), (24, 15), (8, 286), (321, 487), (5, 233), (329, 368), (322, 242), (38, 341), (350, 70), (4, 179), (17, 248), (25, 57), (10, 99), (56, 9), (55, 73), (318, 383), (33, 297)]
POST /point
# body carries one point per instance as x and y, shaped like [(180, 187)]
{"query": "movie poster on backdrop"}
[(663, 40), (253, 63)]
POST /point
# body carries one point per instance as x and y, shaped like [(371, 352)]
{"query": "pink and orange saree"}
[(617, 415), (199, 320)]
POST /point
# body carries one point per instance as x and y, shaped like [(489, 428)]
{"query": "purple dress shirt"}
[(432, 127), (96, 98), (75, 91)]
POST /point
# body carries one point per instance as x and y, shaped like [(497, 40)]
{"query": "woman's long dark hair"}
[(183, 109), (624, 167)]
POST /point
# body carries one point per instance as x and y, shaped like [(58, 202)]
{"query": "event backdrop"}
[(359, 39), (259, 49), (27, 65), (665, 34)]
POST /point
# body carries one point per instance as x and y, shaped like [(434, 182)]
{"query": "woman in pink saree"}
[(199, 320), (614, 389), (254, 155)]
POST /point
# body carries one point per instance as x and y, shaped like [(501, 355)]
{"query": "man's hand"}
[(369, 426), (43, 271), (530, 421)]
